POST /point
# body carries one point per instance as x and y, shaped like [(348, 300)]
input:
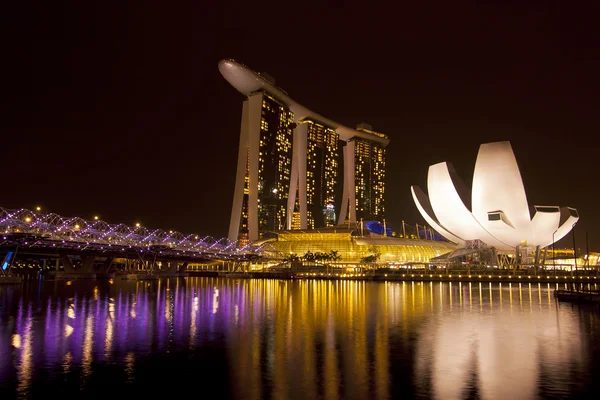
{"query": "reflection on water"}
[(259, 339)]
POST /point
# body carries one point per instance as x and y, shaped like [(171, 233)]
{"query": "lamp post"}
[(574, 249), (553, 254)]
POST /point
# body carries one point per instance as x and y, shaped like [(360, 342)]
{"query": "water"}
[(255, 339)]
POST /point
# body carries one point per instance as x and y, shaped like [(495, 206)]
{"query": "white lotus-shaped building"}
[(500, 215)]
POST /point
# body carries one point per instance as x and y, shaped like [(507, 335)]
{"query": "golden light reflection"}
[(470, 296), (71, 311), (108, 333), (328, 339), (111, 308), (480, 297), (193, 316), (431, 296), (130, 367), (16, 340), (68, 330), (441, 295), (67, 362), (215, 301), (324, 326), (24, 368), (132, 312), (86, 362), (382, 366), (520, 295)]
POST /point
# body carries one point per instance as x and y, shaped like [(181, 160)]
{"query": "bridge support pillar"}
[(107, 264), (86, 269), (87, 264), (103, 270), (67, 263), (183, 267)]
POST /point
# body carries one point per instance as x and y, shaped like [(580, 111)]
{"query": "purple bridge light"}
[(52, 230)]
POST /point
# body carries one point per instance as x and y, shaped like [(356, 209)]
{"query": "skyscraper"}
[(369, 177), (316, 173), (297, 169), (265, 157)]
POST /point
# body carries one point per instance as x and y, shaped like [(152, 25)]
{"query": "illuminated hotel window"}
[(369, 179), (275, 151)]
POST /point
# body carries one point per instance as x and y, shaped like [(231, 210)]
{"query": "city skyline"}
[(122, 120)]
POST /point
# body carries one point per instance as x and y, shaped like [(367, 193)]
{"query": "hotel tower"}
[(297, 169)]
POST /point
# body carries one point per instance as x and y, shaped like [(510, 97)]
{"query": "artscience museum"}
[(494, 216)]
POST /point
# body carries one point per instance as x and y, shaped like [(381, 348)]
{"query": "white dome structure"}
[(499, 215)]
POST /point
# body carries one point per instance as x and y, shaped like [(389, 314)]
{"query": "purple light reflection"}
[(270, 329)]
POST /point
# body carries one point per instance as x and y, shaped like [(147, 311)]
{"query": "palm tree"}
[(308, 256), (334, 256)]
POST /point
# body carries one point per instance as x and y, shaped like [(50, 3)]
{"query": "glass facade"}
[(274, 164), (323, 183), (369, 180), (352, 248), (243, 235)]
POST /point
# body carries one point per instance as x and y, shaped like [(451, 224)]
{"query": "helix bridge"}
[(43, 232)]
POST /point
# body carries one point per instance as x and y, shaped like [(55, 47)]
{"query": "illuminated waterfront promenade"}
[(476, 276), (278, 339)]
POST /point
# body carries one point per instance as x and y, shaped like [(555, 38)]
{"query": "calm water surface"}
[(255, 339)]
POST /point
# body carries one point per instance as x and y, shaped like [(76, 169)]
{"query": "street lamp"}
[(574, 248), (553, 253), (95, 218)]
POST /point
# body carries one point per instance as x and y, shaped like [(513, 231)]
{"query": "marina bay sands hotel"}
[(297, 169)]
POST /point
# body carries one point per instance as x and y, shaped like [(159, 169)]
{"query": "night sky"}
[(120, 110)]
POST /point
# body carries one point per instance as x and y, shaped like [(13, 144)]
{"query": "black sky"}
[(120, 110)]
